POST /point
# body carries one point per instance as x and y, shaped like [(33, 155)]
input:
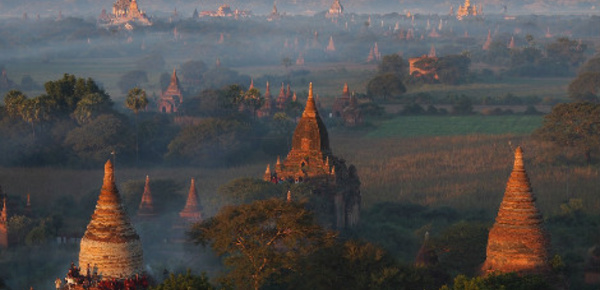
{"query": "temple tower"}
[(172, 97), (267, 108), (191, 212), (518, 242), (146, 208), (426, 256), (341, 102), (281, 98), (311, 160), (4, 225), (110, 244), (331, 46)]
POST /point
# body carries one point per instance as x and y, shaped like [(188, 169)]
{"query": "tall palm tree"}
[(136, 101)]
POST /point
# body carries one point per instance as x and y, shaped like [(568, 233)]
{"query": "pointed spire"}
[(251, 84), (294, 97), (28, 200), (268, 170), (426, 256), (289, 196), (511, 44), (110, 231), (331, 45), (268, 92), (346, 91), (327, 162), (311, 107), (4, 215), (488, 41), (518, 242), (146, 207), (432, 52), (191, 211)]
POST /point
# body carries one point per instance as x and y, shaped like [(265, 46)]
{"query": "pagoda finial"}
[(4, 216), (278, 160), (268, 171), (28, 200), (346, 91), (289, 196), (251, 84), (311, 108), (519, 159), (109, 176)]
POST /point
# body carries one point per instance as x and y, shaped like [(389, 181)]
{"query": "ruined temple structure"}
[(267, 108), (4, 224), (488, 41), (518, 242), (352, 114), (336, 10), (110, 246), (467, 10), (124, 11), (191, 212), (331, 46), (426, 257), (311, 160), (146, 208), (172, 97), (282, 99), (423, 66), (341, 102)]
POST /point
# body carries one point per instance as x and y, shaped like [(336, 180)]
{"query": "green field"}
[(421, 126)]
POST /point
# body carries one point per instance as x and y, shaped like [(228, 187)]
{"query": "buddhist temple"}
[(518, 242), (281, 98), (268, 105), (511, 44), (172, 97), (336, 10), (146, 208), (331, 46), (4, 225), (352, 115), (191, 212), (341, 102), (466, 10), (110, 246), (126, 11), (426, 256), (311, 160), (300, 59)]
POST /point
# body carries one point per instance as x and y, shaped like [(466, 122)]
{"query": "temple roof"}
[(311, 133), (146, 207)]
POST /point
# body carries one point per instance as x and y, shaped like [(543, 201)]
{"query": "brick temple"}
[(518, 241)]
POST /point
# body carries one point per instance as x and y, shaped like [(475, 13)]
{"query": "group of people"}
[(76, 280)]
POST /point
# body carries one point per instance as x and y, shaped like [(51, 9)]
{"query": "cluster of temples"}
[(124, 11)]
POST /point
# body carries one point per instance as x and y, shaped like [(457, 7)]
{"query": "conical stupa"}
[(110, 245), (146, 208), (518, 242), (191, 211)]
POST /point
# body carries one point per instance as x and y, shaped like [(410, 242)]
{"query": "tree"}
[(567, 51), (94, 141), (68, 91), (13, 102), (393, 63), (136, 101), (574, 125), (499, 282), (253, 100), (211, 142), (246, 190), (586, 87), (192, 71), (453, 69), (90, 106), (385, 85), (184, 282), (261, 241)]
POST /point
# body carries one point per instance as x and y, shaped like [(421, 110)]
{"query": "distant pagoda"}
[(146, 208), (518, 242), (110, 245), (191, 212), (172, 97)]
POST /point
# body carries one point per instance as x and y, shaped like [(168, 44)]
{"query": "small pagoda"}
[(172, 97), (518, 241), (191, 213), (146, 208)]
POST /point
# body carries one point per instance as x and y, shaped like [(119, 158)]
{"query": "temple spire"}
[(518, 242), (311, 107), (110, 231), (146, 207), (191, 211)]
